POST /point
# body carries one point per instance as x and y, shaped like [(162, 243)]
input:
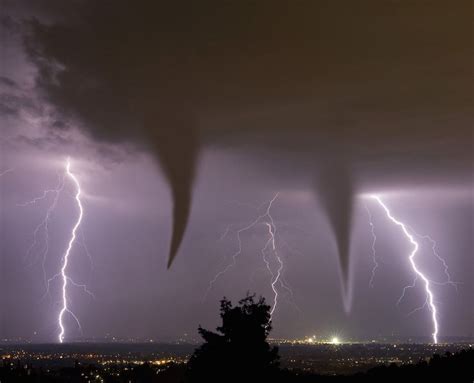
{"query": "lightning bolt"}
[(76, 233), (268, 249), (448, 281), (275, 278), (224, 234), (43, 226), (433, 243), (6, 171), (65, 309), (430, 301), (374, 253)]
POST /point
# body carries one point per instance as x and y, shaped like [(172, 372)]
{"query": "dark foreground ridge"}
[(451, 367), (238, 352)]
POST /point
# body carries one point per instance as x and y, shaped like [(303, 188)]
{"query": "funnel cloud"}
[(306, 81), (336, 193), (176, 151)]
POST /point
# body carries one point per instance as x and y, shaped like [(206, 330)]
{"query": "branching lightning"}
[(449, 280), (374, 253), (76, 233), (430, 301), (65, 278), (268, 249), (275, 278), (43, 227)]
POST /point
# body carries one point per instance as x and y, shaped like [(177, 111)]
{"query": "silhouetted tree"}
[(240, 349)]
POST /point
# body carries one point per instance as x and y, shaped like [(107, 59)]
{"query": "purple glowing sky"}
[(128, 205)]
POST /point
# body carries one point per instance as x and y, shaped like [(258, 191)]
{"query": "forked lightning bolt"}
[(430, 301), (448, 281), (269, 248), (43, 228), (65, 278), (275, 278), (374, 253)]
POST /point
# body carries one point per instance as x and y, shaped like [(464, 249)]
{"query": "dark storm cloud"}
[(7, 82), (6, 109), (51, 141), (23, 106), (12, 104), (8, 25), (379, 88)]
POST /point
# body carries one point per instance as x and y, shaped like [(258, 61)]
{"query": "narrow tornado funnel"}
[(175, 145), (335, 192)]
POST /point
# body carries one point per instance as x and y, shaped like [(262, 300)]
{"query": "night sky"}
[(182, 118)]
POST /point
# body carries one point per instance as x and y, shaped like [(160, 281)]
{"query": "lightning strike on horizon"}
[(64, 276), (269, 247), (76, 234), (430, 301), (433, 243)]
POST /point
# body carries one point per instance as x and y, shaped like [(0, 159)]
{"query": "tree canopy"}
[(239, 349)]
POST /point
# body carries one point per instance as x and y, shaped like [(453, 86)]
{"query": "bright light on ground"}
[(335, 340)]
